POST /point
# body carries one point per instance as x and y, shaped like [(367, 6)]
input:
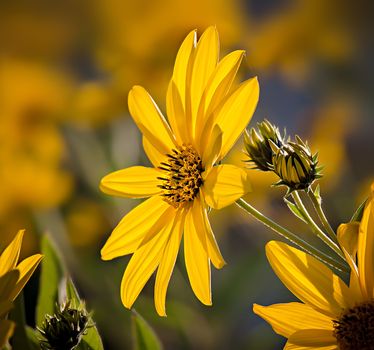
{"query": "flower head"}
[(332, 315), (258, 147), (205, 116), (64, 329), (295, 164), (13, 277)]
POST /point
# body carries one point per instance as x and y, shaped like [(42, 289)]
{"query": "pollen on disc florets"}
[(355, 327), (182, 178)]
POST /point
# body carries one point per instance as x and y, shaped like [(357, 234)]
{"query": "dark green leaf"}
[(357, 216), (144, 336), (51, 274), (91, 340), (295, 210), (20, 339)]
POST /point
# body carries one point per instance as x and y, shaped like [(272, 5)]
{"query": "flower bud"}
[(295, 165), (63, 330), (257, 145)]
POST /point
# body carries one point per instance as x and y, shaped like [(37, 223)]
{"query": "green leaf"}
[(144, 336), (32, 335), (295, 210), (317, 194), (91, 340), (51, 274), (19, 339), (357, 216)]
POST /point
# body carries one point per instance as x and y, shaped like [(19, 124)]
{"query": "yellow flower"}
[(332, 315), (205, 118), (13, 277)]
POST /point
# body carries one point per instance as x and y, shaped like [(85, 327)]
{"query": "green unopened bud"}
[(295, 164), (257, 145), (63, 330)]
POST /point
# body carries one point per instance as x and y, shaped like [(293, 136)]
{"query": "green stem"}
[(318, 207), (320, 234), (291, 236)]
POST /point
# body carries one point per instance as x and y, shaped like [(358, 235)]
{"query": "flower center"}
[(182, 178), (355, 328)]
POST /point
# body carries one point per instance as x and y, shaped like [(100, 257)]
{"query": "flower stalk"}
[(292, 237), (317, 204)]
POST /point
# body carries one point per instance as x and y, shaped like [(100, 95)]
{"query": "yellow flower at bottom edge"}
[(13, 277), (205, 118), (332, 315)]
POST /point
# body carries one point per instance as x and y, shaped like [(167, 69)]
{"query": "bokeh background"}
[(65, 70)]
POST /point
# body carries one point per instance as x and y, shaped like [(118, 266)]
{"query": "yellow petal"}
[(5, 306), (153, 154), (200, 216), (365, 253), (211, 149), (196, 259), (309, 279), (176, 114), (10, 255), (205, 62), (236, 113), (150, 120), (144, 262), (288, 318), (348, 239), (290, 346), (8, 283), (183, 60), (132, 229), (6, 331), (167, 263), (313, 339), (224, 184), (218, 87), (26, 268), (134, 182)]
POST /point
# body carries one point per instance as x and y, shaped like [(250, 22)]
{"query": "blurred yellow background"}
[(65, 70)]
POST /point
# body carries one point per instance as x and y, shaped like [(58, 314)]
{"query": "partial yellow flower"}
[(13, 277), (332, 315), (206, 115)]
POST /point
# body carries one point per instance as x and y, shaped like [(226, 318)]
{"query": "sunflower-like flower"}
[(206, 115), (332, 315), (13, 277)]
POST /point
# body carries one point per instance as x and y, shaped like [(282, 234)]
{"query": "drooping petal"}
[(365, 253), (26, 268), (133, 228), (134, 182), (150, 120), (153, 154), (145, 261), (176, 115), (309, 279), (290, 346), (200, 216), (348, 239), (196, 258), (10, 255), (218, 87), (205, 62), (8, 282), (183, 60), (224, 184), (6, 331), (167, 263), (5, 306), (288, 318), (236, 113), (312, 339)]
